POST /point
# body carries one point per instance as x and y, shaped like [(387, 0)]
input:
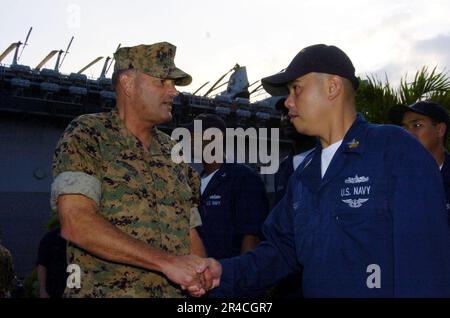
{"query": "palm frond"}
[(424, 86), (375, 97)]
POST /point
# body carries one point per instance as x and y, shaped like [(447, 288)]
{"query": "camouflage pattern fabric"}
[(156, 60), (7, 276), (143, 193)]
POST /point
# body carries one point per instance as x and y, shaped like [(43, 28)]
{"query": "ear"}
[(335, 86), (126, 83), (441, 128)]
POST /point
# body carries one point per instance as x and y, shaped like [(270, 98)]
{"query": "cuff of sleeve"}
[(196, 219), (75, 183), (226, 288)]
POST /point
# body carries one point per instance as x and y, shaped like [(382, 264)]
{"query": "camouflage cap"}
[(155, 60)]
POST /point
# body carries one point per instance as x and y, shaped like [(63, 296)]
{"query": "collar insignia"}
[(353, 144)]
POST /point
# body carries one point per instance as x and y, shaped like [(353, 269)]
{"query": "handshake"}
[(194, 274)]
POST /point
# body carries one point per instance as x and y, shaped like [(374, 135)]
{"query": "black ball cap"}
[(427, 108), (319, 58)]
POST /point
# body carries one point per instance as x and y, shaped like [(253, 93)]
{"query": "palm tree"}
[(375, 98), (431, 86)]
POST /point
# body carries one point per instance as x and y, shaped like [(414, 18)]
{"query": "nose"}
[(411, 131), (414, 133), (172, 90), (408, 129), (289, 102)]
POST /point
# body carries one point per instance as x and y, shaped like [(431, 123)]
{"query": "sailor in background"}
[(429, 123), (233, 203)]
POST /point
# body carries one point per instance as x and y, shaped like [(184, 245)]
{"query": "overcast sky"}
[(392, 37)]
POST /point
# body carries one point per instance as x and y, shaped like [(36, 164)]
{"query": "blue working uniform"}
[(234, 204), (381, 203), (291, 286), (445, 172), (285, 171)]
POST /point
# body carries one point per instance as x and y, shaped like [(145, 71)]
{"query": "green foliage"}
[(374, 97), (424, 86)]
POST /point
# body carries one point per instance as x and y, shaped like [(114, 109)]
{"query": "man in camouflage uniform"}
[(7, 276), (127, 209)]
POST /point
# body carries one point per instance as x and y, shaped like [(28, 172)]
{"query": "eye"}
[(417, 125), (296, 89)]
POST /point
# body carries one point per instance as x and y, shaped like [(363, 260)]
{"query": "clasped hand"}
[(194, 274)]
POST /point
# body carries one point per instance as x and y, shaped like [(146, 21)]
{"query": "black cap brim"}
[(396, 113), (276, 85)]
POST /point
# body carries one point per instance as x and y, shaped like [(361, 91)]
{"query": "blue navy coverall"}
[(381, 204), (285, 170), (233, 205), (445, 172)]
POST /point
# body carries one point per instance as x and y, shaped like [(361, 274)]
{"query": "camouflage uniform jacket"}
[(143, 193), (7, 276)]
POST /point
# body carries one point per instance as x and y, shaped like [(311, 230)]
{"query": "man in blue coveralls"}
[(364, 213), (429, 123), (233, 204)]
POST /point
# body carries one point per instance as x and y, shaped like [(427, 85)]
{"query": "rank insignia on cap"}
[(353, 144)]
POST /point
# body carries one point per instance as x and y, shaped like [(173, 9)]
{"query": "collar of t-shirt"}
[(206, 180), (328, 154)]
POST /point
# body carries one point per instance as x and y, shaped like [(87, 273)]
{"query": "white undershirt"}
[(328, 154), (206, 180)]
